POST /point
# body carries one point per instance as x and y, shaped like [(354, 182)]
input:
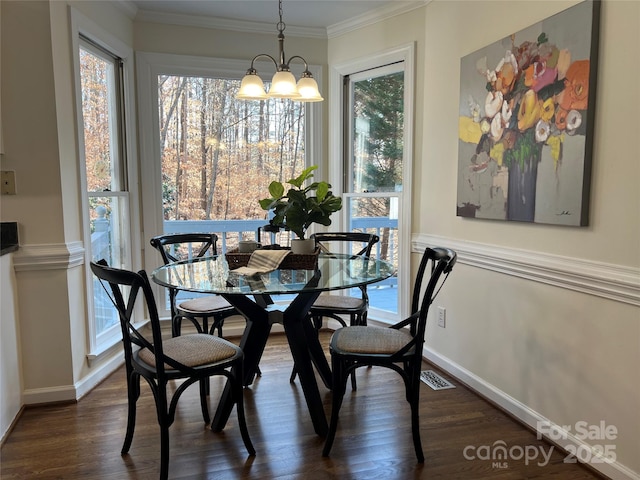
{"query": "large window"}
[(219, 154), (209, 158)]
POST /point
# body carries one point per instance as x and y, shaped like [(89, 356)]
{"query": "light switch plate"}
[(8, 182)]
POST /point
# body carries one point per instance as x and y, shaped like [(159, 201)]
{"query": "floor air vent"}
[(435, 381)]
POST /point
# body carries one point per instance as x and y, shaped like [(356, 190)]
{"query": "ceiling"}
[(299, 13)]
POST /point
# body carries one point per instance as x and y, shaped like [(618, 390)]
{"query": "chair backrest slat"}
[(366, 241), (181, 246)]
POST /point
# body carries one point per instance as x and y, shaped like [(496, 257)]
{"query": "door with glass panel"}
[(373, 168)]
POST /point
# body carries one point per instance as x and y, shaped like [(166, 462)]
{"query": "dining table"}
[(253, 296)]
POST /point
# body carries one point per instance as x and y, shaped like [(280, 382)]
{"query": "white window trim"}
[(81, 25), (405, 53), (148, 67)]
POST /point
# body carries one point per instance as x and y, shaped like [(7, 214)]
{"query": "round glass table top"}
[(211, 275)]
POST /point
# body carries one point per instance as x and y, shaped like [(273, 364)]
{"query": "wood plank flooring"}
[(83, 440)]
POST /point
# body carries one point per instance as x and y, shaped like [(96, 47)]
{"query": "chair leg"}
[(239, 397), (164, 452), (204, 404), (339, 387), (415, 424), (217, 324), (176, 324), (133, 393), (165, 422), (354, 386)]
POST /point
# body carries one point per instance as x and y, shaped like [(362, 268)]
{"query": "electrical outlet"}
[(8, 182), (442, 317)]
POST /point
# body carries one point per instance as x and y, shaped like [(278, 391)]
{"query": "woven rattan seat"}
[(192, 350), (373, 340)]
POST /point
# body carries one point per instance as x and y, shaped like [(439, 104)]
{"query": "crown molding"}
[(218, 23), (374, 16), (614, 282), (127, 7)]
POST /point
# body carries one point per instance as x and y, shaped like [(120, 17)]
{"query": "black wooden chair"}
[(397, 348), (334, 306), (190, 358), (183, 246)]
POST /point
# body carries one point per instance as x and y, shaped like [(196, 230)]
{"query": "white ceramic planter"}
[(303, 247)]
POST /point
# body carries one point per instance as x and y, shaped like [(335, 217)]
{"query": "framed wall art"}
[(526, 122)]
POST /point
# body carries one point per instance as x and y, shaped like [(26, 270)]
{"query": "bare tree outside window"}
[(218, 154)]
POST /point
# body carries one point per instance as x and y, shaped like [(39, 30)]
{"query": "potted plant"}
[(301, 206)]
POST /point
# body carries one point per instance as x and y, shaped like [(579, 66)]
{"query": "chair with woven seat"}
[(397, 347), (333, 306), (189, 358), (183, 246)]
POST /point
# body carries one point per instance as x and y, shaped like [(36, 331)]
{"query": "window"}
[(219, 154), (107, 198), (208, 157), (375, 165)]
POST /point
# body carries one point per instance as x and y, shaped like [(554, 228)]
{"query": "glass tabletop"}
[(333, 272)]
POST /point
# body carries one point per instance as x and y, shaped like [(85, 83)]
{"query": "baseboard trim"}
[(72, 393), (529, 417)]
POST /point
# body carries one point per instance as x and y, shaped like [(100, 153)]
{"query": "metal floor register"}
[(435, 381)]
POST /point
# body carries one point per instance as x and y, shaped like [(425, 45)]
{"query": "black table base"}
[(303, 342)]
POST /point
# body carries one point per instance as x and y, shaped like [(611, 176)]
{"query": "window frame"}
[(148, 67)]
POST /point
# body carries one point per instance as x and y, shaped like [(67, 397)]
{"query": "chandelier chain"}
[(281, 25)]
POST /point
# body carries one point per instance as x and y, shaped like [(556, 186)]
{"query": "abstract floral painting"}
[(526, 119)]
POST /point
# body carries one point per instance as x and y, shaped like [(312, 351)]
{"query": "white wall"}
[(10, 378), (544, 320)]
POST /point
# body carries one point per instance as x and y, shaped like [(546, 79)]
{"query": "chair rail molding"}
[(53, 256), (614, 282)]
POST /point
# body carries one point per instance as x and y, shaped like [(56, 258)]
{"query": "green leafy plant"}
[(301, 206)]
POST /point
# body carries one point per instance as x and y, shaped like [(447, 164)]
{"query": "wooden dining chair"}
[(357, 244), (335, 306), (189, 358), (198, 310), (398, 347)]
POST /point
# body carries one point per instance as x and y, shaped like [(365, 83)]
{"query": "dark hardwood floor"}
[(83, 440)]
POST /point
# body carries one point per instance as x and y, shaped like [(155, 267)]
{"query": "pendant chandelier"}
[(283, 83)]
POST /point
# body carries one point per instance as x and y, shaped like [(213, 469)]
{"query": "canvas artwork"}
[(526, 120)]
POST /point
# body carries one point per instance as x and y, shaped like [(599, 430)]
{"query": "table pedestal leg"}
[(253, 341), (305, 349)]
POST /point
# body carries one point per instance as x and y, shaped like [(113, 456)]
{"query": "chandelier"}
[(283, 83)]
